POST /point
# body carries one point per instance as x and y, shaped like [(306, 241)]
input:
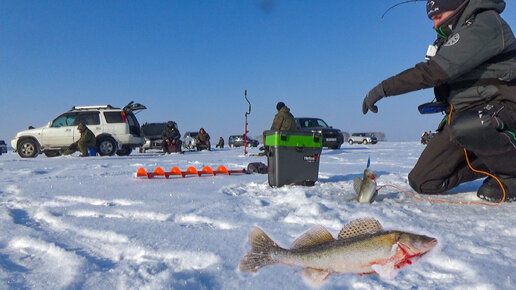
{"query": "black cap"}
[(280, 105), (434, 7)]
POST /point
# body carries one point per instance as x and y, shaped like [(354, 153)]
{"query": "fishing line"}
[(398, 4)]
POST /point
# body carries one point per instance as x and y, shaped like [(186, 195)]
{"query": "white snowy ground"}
[(70, 222)]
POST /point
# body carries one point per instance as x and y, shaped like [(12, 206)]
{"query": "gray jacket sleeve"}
[(469, 46)]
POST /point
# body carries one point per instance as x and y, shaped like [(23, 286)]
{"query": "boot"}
[(491, 191)]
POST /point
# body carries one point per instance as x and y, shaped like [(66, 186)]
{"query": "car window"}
[(87, 118), (321, 123), (131, 119), (64, 120), (114, 117), (303, 123)]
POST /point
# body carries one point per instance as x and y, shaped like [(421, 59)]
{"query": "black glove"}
[(371, 98)]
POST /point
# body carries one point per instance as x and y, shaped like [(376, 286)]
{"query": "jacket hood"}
[(476, 6)]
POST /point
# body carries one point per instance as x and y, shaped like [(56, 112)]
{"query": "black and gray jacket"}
[(476, 63)]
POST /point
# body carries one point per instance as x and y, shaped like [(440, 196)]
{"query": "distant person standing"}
[(283, 120), (221, 143), (202, 141)]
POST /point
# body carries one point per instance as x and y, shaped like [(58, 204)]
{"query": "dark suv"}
[(332, 138), (238, 141)]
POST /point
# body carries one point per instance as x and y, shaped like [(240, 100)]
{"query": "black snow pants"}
[(487, 132)]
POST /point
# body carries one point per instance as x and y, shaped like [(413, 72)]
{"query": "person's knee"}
[(425, 186)]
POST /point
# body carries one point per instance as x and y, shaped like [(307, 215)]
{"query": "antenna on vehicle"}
[(245, 130), (398, 4)]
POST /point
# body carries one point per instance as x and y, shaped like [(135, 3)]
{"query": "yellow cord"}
[(504, 194)]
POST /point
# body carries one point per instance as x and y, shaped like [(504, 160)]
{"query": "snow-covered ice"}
[(69, 222)]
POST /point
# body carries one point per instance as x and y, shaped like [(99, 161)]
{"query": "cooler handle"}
[(316, 138)]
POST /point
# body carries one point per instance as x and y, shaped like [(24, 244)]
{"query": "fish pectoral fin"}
[(315, 236), (315, 277), (387, 271)]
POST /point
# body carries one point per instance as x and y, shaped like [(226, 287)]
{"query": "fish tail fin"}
[(260, 254)]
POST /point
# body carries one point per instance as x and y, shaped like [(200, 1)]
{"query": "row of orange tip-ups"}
[(159, 172)]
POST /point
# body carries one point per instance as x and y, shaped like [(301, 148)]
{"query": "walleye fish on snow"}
[(362, 247), (366, 188)]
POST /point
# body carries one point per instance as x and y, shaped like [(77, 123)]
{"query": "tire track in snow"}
[(117, 247), (47, 263)]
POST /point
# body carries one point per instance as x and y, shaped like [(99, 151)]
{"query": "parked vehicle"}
[(238, 141), (332, 138), (3, 147), (189, 140), (153, 135), (116, 130), (362, 138)]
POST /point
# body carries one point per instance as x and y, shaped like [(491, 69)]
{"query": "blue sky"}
[(191, 60)]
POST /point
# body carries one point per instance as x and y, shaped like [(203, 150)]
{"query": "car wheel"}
[(232, 145), (27, 148), (364, 141), (350, 142), (52, 153), (107, 146), (125, 151)]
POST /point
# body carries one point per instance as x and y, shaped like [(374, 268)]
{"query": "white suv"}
[(363, 138), (116, 130)]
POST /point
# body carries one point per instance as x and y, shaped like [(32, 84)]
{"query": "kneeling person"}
[(87, 140)]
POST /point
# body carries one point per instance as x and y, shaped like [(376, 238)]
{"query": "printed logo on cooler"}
[(311, 158)]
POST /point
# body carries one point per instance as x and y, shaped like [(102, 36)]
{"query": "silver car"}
[(362, 138)]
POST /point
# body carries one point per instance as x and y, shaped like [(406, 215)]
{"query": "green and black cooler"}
[(293, 157)]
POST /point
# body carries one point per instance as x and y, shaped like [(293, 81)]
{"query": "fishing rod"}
[(245, 130), (398, 4)]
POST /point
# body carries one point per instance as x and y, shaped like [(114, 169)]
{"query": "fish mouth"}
[(428, 245)]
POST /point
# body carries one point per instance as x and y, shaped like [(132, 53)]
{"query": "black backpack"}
[(257, 167)]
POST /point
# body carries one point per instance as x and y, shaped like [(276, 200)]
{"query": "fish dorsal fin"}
[(315, 236), (360, 227), (357, 182)]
